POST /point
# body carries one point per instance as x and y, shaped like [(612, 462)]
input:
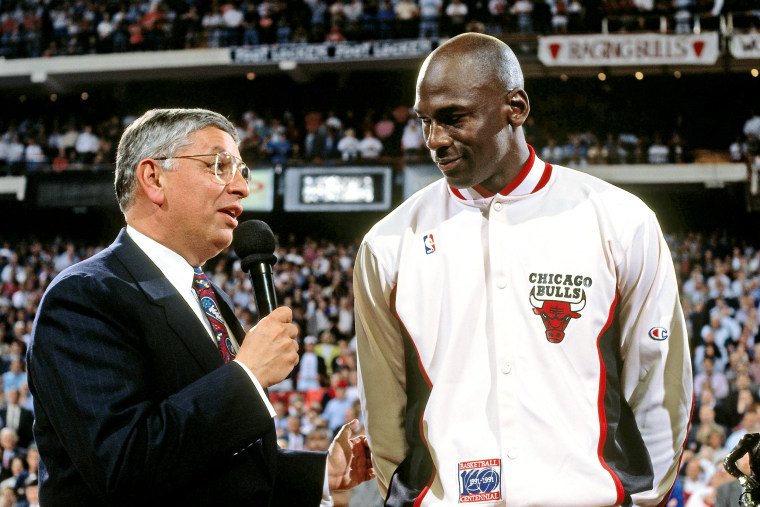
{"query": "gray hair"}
[(159, 133)]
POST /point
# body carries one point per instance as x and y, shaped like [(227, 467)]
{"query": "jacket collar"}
[(533, 177)]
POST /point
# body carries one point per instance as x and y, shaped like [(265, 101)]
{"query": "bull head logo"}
[(556, 314)]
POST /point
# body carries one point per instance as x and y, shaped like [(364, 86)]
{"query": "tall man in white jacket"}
[(520, 336)]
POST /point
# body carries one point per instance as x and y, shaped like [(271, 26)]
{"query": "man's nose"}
[(437, 137), (238, 185)]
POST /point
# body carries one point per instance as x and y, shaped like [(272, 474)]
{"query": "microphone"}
[(253, 242)]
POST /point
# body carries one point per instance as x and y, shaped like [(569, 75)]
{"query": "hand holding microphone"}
[(269, 349)]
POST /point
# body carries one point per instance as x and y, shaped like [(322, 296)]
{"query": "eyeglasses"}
[(225, 166)]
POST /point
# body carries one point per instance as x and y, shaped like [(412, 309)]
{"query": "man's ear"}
[(517, 107), (150, 180)]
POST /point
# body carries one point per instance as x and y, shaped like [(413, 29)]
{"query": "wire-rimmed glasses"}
[(225, 166)]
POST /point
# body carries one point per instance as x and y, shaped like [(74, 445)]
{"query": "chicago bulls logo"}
[(556, 315)]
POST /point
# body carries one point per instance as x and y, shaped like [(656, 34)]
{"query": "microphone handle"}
[(264, 292)]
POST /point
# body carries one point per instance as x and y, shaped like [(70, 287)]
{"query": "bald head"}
[(480, 57)]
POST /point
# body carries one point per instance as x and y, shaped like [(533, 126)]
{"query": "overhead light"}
[(288, 65)]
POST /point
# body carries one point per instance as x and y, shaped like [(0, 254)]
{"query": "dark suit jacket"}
[(134, 405)]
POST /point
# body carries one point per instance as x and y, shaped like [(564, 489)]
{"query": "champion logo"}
[(429, 243), (659, 333)]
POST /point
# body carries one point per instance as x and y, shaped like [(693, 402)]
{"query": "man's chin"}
[(457, 182)]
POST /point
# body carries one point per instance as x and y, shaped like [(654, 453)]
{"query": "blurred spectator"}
[(407, 16), (386, 17), (523, 11), (318, 439), (33, 155), (370, 146), (296, 440), (11, 450), (456, 16), (335, 33), (66, 258), (8, 497), (31, 492), (658, 153), (709, 376), (17, 470), (87, 144), (335, 409), (559, 16), (699, 471), (311, 371), (412, 142), (14, 155), (430, 14), (16, 417), (348, 146)]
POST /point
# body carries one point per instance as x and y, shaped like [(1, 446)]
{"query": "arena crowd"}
[(720, 292), (326, 137), (35, 28)]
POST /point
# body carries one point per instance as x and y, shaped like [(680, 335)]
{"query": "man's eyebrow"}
[(442, 111)]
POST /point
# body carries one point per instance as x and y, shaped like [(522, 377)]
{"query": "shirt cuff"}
[(260, 389), (327, 500)]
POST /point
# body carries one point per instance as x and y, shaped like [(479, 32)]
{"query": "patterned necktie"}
[(208, 302)]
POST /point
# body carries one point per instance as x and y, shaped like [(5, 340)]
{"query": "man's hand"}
[(270, 349), (349, 460)]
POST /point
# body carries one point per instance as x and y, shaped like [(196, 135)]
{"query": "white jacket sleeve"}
[(656, 376), (381, 367)]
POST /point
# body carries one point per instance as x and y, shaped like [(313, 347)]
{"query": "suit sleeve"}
[(657, 376), (300, 478), (382, 377), (122, 433)]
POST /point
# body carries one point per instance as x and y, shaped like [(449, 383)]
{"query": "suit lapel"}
[(157, 289)]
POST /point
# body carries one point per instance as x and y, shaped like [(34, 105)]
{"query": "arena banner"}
[(745, 45), (332, 51), (628, 49)]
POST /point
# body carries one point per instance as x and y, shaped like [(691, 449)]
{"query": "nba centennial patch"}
[(480, 481)]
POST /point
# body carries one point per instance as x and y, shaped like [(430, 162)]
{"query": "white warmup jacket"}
[(523, 348)]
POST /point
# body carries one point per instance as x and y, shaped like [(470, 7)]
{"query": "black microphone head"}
[(253, 242)]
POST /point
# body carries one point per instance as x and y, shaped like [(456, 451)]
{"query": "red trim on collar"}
[(457, 193), (544, 178), (523, 174), (483, 191)]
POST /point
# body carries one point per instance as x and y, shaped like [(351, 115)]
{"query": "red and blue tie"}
[(208, 301)]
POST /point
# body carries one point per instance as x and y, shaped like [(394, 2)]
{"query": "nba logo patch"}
[(480, 481), (429, 243)]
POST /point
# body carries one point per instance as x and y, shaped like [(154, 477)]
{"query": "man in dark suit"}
[(16, 417), (147, 392)]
